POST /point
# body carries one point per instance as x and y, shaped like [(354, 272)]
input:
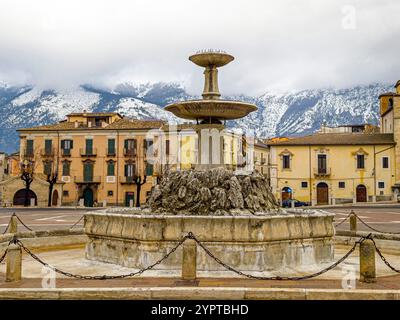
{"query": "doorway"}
[(54, 200), (128, 197), (322, 193), (88, 197), (361, 193)]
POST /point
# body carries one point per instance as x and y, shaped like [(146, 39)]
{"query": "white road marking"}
[(50, 218)]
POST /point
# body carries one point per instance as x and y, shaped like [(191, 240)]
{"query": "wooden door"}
[(361, 193), (322, 193)]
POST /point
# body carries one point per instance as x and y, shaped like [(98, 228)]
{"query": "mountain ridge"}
[(284, 114)]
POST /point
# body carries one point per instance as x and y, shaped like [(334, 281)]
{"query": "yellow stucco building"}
[(348, 164)]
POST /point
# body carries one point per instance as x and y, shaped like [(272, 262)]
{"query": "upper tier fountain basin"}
[(204, 109)]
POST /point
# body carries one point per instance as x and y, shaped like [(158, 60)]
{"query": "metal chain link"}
[(383, 258), (345, 219), (4, 255), (226, 266), (372, 228), (19, 219), (8, 226), (102, 277), (77, 222)]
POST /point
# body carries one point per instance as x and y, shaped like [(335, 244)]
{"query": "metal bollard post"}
[(367, 261), (353, 222), (189, 256), (13, 224), (14, 263)]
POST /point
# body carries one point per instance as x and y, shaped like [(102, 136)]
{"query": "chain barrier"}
[(102, 277), (372, 228), (8, 226), (80, 219), (343, 220), (19, 219), (383, 258), (4, 255), (241, 273)]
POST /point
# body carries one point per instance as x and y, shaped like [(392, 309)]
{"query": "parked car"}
[(287, 203)]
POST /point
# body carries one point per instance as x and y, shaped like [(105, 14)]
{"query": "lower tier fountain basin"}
[(248, 243)]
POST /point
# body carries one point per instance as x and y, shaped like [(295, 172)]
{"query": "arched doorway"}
[(286, 193), (20, 197), (54, 200), (361, 193), (322, 193), (88, 197)]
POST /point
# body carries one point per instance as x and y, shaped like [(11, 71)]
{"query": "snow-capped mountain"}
[(293, 113)]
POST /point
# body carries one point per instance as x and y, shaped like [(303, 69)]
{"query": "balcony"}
[(66, 152), (322, 172), (87, 179), (127, 180), (84, 152), (47, 153), (130, 153)]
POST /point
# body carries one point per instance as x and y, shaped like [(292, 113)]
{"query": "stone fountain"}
[(233, 213)]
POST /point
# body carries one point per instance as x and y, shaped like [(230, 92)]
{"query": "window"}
[(65, 193), (130, 147), (381, 185), (286, 162), (66, 168), (342, 184), (89, 147), (110, 168), (304, 184), (110, 193), (321, 163), (48, 146), (149, 169), (130, 171), (29, 147), (66, 146), (88, 171), (167, 147), (385, 162), (111, 147), (360, 161), (47, 167)]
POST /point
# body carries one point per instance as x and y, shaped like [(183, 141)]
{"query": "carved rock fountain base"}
[(233, 221)]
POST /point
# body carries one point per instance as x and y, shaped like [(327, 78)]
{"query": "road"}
[(381, 218), (42, 218), (385, 219)]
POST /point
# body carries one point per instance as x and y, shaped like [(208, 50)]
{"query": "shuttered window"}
[(110, 168)]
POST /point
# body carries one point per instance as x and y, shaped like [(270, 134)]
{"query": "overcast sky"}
[(278, 45)]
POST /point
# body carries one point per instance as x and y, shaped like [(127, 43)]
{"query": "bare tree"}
[(139, 181), (51, 176)]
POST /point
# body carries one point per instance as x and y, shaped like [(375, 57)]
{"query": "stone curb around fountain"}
[(210, 293)]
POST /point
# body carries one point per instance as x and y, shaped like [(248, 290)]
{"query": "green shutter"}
[(29, 147), (111, 146), (149, 169), (111, 168), (88, 171), (89, 146)]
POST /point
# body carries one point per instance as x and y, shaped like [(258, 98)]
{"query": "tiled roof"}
[(337, 139), (121, 124)]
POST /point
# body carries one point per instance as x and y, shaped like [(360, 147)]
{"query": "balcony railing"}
[(28, 154), (130, 152), (127, 180), (322, 172), (88, 152), (87, 179), (47, 152)]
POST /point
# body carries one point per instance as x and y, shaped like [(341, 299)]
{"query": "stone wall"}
[(244, 242)]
